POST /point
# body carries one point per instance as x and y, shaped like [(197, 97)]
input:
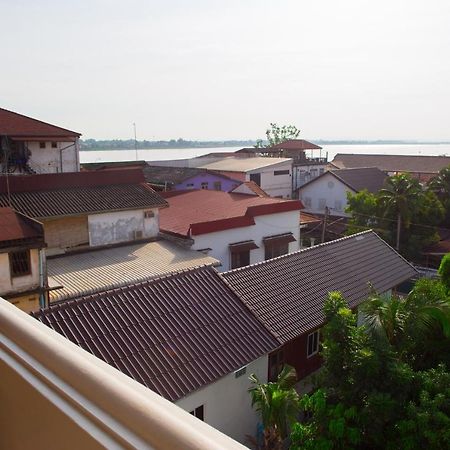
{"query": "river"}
[(181, 153)]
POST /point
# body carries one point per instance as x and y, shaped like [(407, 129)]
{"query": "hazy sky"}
[(206, 69)]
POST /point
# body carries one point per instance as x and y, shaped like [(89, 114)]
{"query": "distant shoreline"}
[(120, 145)]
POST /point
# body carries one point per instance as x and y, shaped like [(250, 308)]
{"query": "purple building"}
[(166, 178)]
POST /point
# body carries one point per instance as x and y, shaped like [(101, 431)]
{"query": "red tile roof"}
[(52, 195), (295, 144), (15, 227), (287, 293), (203, 211), (254, 188), (16, 125), (174, 334)]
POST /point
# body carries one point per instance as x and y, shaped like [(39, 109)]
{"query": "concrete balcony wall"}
[(53, 394)]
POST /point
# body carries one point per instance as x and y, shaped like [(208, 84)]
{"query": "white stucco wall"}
[(18, 284), (227, 403), (267, 225), (329, 188), (110, 228), (275, 185), (304, 173), (48, 159)]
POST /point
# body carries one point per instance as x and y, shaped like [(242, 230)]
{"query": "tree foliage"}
[(444, 271), (378, 389), (278, 134)]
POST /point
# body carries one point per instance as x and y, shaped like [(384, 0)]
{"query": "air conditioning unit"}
[(137, 234), (149, 214)]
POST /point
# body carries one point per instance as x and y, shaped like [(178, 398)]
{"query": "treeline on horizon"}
[(131, 144)]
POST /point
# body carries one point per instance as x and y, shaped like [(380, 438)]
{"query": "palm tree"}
[(278, 404), (407, 323), (397, 197), (440, 185)]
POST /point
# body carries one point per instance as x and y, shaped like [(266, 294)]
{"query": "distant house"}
[(421, 167), (22, 270), (186, 336), (273, 175), (330, 189), (236, 228), (181, 178), (86, 209), (288, 293), (31, 146)]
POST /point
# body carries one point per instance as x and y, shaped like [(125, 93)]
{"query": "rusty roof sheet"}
[(174, 334), (53, 195), (14, 124), (288, 293), (91, 271)]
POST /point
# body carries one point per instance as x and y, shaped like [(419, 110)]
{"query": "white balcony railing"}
[(53, 394)]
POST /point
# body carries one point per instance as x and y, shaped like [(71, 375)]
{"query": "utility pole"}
[(135, 141), (399, 226), (324, 225)]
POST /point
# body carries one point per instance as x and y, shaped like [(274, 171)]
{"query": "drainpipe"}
[(42, 279)]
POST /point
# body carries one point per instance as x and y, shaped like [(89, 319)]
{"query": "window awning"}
[(242, 246), (279, 239)]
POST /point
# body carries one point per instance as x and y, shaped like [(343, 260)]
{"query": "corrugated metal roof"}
[(14, 124), (393, 163), (287, 293), (174, 334), (88, 272), (53, 195), (237, 164)]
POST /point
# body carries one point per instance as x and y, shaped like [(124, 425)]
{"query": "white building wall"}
[(305, 173), (275, 185), (48, 159), (267, 225), (122, 226), (325, 191), (22, 283), (227, 403)]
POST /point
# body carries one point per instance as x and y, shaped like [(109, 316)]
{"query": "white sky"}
[(206, 69)]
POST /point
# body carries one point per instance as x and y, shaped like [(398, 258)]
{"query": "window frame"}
[(315, 338), (27, 261), (269, 252), (281, 172), (204, 185), (237, 255), (217, 185), (42, 144)]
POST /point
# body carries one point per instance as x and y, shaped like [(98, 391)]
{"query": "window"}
[(275, 249), (312, 346), (54, 145), (198, 412), (256, 177), (217, 186), (338, 205), (204, 185), (321, 171), (41, 144), (281, 172), (313, 173), (307, 201), (190, 186), (330, 184), (19, 263), (240, 259), (276, 362), (322, 203)]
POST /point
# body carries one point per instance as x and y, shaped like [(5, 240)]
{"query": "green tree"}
[(399, 194), (440, 185), (278, 134), (277, 403), (444, 271)]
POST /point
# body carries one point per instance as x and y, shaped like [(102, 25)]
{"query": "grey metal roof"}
[(174, 334), (370, 178), (94, 270), (288, 293)]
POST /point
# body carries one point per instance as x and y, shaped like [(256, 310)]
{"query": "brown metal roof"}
[(53, 195), (295, 144), (393, 163), (287, 293), (14, 124), (174, 334)]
